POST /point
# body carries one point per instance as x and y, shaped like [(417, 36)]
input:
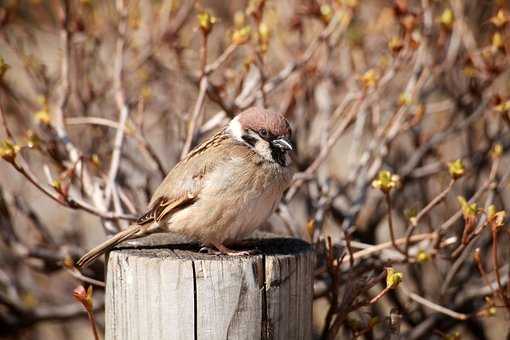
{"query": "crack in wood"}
[(197, 296), (195, 302), (265, 320)]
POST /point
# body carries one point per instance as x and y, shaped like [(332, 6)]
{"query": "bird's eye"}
[(263, 132)]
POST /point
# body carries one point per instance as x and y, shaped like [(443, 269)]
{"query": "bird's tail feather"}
[(99, 250)]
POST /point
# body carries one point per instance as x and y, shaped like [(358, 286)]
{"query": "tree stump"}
[(160, 288)]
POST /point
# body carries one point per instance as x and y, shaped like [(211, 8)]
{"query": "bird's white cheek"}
[(262, 148), (235, 129)]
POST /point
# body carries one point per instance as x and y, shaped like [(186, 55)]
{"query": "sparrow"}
[(223, 189)]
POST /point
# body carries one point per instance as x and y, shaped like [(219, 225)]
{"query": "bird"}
[(223, 189)]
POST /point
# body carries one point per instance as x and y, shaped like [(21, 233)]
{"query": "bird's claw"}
[(209, 251), (222, 250)]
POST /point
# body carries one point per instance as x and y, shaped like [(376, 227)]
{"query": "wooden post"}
[(159, 291)]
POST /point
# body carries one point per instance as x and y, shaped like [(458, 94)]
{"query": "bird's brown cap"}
[(257, 119)]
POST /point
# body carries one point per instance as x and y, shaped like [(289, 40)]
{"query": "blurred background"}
[(400, 111)]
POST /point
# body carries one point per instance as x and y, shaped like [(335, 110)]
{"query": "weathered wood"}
[(160, 288)]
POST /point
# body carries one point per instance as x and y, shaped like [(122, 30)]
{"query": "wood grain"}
[(170, 291)]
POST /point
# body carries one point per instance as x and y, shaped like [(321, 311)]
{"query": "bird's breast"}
[(235, 199)]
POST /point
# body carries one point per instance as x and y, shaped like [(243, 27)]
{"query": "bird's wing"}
[(163, 206), (183, 184)]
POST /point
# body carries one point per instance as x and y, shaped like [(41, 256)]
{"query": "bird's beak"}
[(283, 143)]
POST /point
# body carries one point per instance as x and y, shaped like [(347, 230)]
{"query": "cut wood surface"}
[(161, 288)]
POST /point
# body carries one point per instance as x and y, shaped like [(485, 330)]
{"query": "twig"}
[(382, 246), (25, 209), (138, 135), (68, 201), (79, 276), (425, 210), (274, 82), (299, 179), (85, 298), (347, 237), (210, 68), (93, 324), (489, 184), (76, 203), (380, 295), (462, 249), (434, 306), (23, 318), (466, 35), (285, 215), (486, 289), (65, 312), (440, 137), (433, 202), (63, 93), (334, 272), (390, 223), (119, 99), (178, 21), (495, 263), (482, 271), (93, 121), (262, 79), (199, 103), (7, 130), (59, 124)]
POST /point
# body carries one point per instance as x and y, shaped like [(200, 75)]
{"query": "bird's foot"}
[(242, 252), (221, 249), (209, 251)]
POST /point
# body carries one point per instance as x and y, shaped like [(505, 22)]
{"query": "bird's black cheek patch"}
[(250, 140), (278, 155)]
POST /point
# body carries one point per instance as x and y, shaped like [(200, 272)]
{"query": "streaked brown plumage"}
[(223, 189)]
